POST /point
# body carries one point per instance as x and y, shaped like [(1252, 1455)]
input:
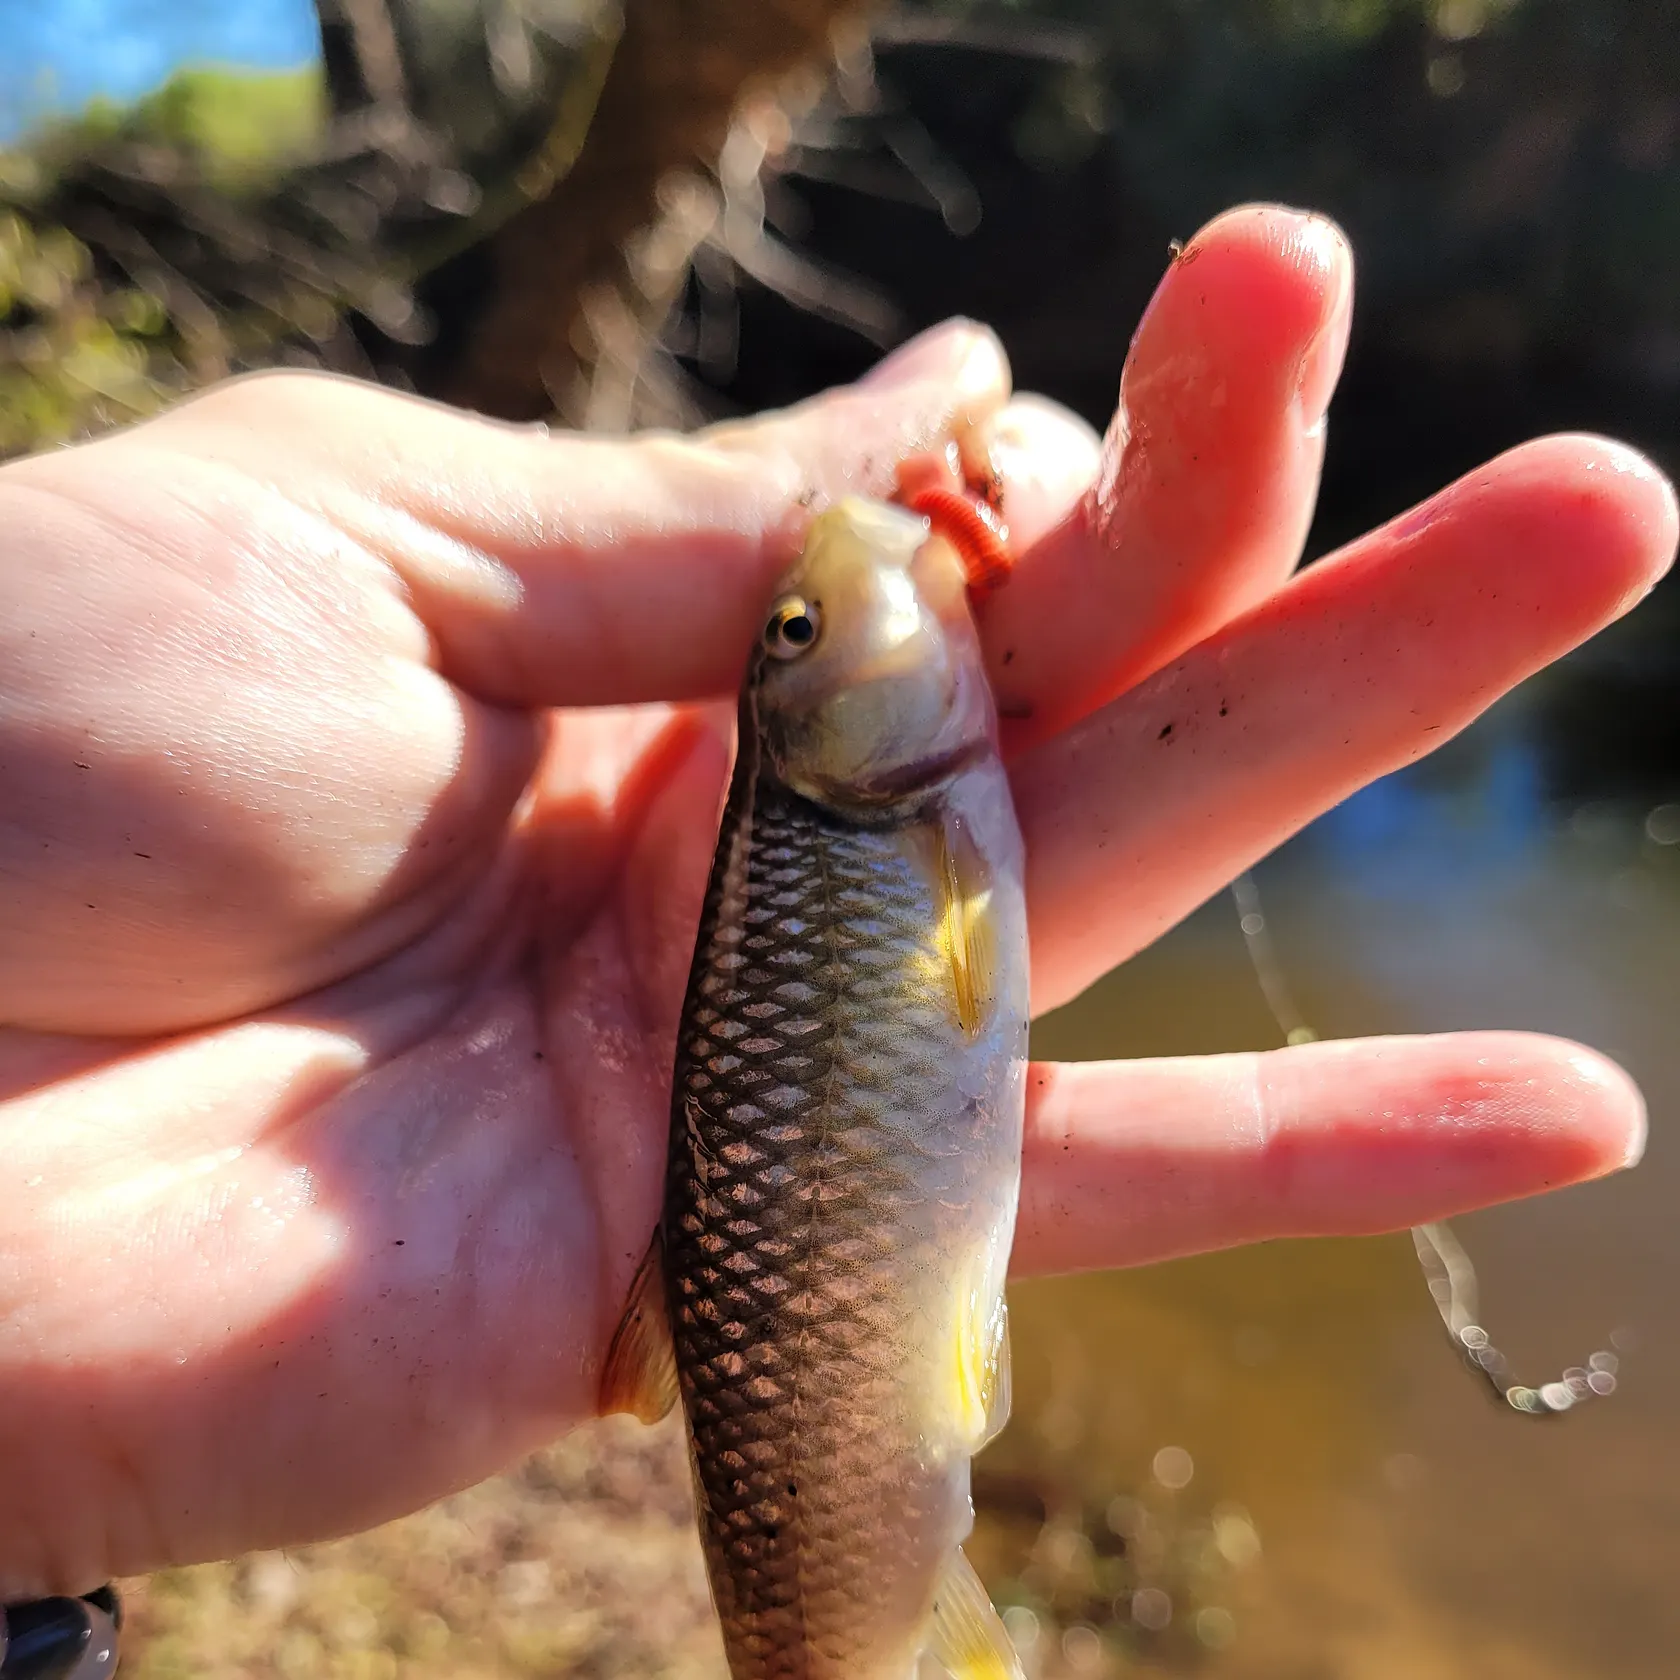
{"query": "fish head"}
[(868, 687)]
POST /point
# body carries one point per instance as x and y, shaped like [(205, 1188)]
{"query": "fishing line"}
[(1447, 1268)]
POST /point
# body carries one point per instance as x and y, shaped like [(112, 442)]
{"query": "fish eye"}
[(793, 627)]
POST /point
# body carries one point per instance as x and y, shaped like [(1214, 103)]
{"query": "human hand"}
[(360, 764)]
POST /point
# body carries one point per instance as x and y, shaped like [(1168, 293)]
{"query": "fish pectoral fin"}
[(983, 1375), (640, 1375), (965, 924), (997, 1378), (965, 1633)]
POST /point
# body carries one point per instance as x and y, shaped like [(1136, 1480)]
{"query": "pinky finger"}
[(1132, 1162)]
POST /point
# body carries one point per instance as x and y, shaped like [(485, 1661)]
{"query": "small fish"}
[(825, 1292)]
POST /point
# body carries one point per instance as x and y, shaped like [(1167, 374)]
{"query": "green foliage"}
[(236, 128), (73, 358), (87, 343), (242, 127)]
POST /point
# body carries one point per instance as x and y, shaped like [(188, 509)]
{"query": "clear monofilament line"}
[(1448, 1269)]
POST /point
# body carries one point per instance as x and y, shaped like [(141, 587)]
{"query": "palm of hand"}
[(391, 1062), (344, 968)]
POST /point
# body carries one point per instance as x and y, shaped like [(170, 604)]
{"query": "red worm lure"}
[(964, 517)]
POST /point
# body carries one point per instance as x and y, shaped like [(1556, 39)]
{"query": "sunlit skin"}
[(343, 968)]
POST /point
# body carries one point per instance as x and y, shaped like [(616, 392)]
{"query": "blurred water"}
[(1406, 1524)]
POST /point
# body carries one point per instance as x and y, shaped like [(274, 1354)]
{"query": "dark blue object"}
[(61, 1638), (106, 1598)]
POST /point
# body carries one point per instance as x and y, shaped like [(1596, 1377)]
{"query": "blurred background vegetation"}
[(617, 213)]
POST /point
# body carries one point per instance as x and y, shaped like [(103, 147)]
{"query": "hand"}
[(342, 946)]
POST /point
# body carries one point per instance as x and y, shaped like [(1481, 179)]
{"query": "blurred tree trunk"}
[(483, 167), (681, 69)]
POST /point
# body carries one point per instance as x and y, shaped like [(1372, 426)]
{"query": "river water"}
[(1270, 1461)]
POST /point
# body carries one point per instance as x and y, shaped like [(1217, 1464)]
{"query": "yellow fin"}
[(640, 1375), (966, 930), (980, 1378), (983, 1365), (965, 1633)]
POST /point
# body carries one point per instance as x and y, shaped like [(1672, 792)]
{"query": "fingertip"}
[(1591, 514), (1310, 243), (1622, 489), (1545, 544), (965, 356), (1259, 282), (1612, 1104), (1047, 457), (1586, 1107), (1201, 494)]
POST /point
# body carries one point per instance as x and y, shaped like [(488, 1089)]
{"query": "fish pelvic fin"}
[(964, 1632), (640, 1375)]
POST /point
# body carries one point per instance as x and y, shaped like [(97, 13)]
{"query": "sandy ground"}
[(585, 1562)]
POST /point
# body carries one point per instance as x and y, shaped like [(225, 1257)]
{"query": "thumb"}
[(572, 570)]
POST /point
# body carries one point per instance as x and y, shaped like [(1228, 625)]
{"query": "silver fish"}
[(826, 1288)]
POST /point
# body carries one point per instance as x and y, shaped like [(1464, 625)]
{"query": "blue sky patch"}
[(55, 55)]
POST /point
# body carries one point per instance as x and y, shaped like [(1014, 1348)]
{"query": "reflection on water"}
[(1341, 1499)]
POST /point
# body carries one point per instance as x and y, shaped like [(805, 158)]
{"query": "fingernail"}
[(961, 354), (1634, 1150), (984, 374), (1320, 248)]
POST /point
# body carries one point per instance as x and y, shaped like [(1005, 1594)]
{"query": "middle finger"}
[(1374, 657)]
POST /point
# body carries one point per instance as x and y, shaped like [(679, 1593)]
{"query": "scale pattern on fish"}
[(826, 1287)]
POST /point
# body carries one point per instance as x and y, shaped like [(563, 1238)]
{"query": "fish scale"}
[(788, 1310)]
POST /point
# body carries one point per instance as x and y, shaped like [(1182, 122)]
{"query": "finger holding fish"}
[(1196, 503), (1129, 1163), (1361, 665)]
